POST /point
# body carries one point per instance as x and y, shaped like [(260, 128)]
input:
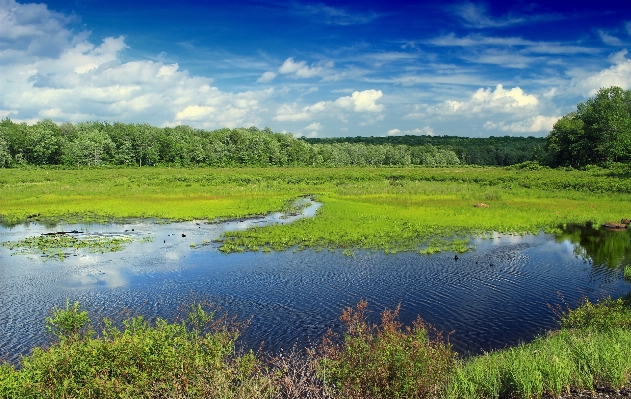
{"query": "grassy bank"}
[(389, 209), (195, 357)]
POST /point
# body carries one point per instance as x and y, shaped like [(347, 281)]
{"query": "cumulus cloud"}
[(302, 70), (538, 123), (425, 131), (483, 101), (266, 77), (362, 101), (314, 126), (359, 101), (50, 72), (619, 74)]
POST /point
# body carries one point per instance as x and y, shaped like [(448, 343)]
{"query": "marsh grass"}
[(427, 210), (593, 348), (627, 272), (386, 360)]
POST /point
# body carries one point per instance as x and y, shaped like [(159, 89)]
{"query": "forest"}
[(104, 143)]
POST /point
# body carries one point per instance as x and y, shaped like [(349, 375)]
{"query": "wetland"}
[(148, 241)]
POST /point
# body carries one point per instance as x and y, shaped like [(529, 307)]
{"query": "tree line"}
[(491, 151), (597, 133), (103, 143)]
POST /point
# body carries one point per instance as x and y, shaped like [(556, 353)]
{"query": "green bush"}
[(192, 358), (386, 361)]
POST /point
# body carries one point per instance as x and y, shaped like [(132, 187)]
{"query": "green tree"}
[(43, 143), (91, 146), (598, 133), (5, 155)]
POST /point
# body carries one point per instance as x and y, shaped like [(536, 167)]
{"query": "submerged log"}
[(615, 226), (62, 233)]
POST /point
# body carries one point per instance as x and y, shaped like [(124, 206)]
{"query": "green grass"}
[(592, 349), (387, 209)]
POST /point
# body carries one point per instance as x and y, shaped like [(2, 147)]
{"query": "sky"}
[(315, 69)]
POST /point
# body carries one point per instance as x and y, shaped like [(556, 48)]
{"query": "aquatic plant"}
[(55, 245)]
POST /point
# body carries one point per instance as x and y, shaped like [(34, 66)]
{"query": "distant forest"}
[(103, 143), (491, 151)]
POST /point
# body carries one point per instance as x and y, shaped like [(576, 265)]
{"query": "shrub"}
[(386, 361)]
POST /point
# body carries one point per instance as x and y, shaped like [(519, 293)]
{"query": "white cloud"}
[(301, 69), (609, 39), (619, 74), (425, 131), (538, 123), (266, 77), (314, 126), (362, 101), (167, 70), (359, 102), (50, 72), (475, 16), (195, 112), (333, 15), (483, 101), (528, 46)]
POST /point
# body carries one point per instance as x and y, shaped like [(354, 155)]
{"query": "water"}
[(494, 296)]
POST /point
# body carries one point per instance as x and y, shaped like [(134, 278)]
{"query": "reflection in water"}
[(601, 246)]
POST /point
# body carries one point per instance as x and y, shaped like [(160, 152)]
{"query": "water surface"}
[(496, 295)]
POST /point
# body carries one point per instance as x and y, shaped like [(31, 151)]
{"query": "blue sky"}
[(318, 69)]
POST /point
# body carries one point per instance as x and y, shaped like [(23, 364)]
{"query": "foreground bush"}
[(195, 358), (386, 361), (192, 358)]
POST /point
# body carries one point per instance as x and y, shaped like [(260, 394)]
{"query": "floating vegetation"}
[(58, 245), (627, 272)]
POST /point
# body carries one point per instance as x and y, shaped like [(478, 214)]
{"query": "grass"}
[(386, 209), (592, 349)]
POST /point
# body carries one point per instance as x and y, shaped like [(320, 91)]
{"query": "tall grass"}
[(592, 349)]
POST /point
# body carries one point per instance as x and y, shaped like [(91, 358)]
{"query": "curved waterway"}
[(497, 295)]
